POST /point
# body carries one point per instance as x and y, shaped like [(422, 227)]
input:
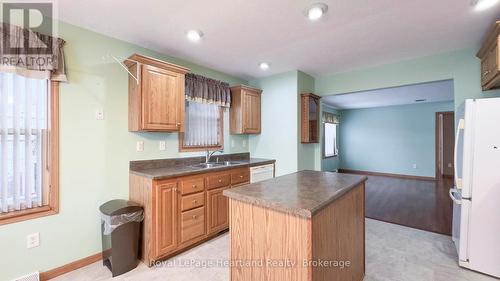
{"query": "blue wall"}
[(390, 139)]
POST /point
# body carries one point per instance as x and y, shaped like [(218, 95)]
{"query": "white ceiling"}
[(241, 33), (430, 92)]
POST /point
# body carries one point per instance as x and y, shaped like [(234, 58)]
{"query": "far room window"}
[(203, 127), (330, 144), (28, 147)]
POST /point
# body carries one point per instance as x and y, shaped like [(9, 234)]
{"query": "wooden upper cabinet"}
[(489, 55), (245, 112), (165, 222), (156, 100), (309, 118)]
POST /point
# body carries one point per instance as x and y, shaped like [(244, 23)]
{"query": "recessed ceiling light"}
[(194, 35), (264, 65), (481, 5), (316, 11)]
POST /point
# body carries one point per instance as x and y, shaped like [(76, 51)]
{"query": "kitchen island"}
[(303, 226)]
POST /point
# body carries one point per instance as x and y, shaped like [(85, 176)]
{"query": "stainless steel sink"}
[(215, 164), (207, 165), (229, 163)]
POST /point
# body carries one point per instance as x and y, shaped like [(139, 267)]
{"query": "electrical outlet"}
[(99, 114), (33, 240), (232, 143), (163, 145), (414, 166), (140, 146), (244, 143)]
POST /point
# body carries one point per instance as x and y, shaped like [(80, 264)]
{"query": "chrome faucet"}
[(209, 154)]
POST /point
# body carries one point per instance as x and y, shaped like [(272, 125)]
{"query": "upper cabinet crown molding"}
[(245, 111), (489, 55), (157, 98), (309, 118)]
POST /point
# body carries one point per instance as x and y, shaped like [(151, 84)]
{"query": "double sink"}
[(215, 164)]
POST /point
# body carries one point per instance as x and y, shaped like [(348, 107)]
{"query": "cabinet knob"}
[(486, 72), (220, 180), (178, 124), (194, 186), (241, 177), (195, 201), (195, 217), (175, 189)]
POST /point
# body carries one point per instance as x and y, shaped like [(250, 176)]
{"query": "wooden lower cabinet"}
[(165, 223), (182, 212), (218, 211)]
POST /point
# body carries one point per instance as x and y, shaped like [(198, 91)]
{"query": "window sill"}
[(198, 148), (22, 215), (327, 157)]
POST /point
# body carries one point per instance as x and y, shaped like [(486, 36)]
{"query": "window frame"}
[(53, 190), (220, 146), (324, 140)]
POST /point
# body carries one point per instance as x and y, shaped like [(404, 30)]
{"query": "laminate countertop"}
[(188, 168), (303, 193)]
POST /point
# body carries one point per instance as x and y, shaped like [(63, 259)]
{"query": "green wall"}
[(462, 66), (94, 155), (391, 139), (329, 164), (308, 153), (279, 137)]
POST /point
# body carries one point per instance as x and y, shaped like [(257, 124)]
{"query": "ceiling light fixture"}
[(481, 5), (194, 35), (264, 65), (316, 11), (420, 100)]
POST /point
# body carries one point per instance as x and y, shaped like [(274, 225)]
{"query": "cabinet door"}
[(489, 65), (166, 218), (218, 210), (251, 112), (162, 99)]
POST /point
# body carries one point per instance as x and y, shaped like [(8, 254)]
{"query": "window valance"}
[(205, 90), (328, 117), (31, 54)]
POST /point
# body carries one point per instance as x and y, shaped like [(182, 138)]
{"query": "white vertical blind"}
[(23, 120), (202, 124), (330, 139)]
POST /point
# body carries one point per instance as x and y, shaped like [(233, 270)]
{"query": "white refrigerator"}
[(476, 195)]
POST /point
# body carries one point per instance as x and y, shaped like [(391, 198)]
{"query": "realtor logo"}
[(29, 18)]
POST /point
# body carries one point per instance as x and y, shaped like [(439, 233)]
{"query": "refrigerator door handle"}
[(452, 196), (458, 181)]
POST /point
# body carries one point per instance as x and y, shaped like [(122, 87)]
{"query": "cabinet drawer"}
[(218, 180), (192, 224), (193, 185), (240, 176), (192, 201)]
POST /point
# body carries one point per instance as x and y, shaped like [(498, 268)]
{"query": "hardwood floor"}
[(420, 204)]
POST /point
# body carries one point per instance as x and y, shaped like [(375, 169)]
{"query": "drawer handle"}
[(241, 177), (195, 217), (194, 186), (195, 201), (220, 180)]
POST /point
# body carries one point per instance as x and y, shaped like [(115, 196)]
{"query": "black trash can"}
[(121, 233)]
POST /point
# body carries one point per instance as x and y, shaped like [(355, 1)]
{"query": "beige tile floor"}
[(393, 252)]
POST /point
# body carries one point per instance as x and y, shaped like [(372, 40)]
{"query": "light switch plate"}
[(414, 166), (140, 146), (33, 240), (163, 145)]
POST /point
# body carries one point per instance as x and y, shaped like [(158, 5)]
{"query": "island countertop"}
[(303, 193)]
